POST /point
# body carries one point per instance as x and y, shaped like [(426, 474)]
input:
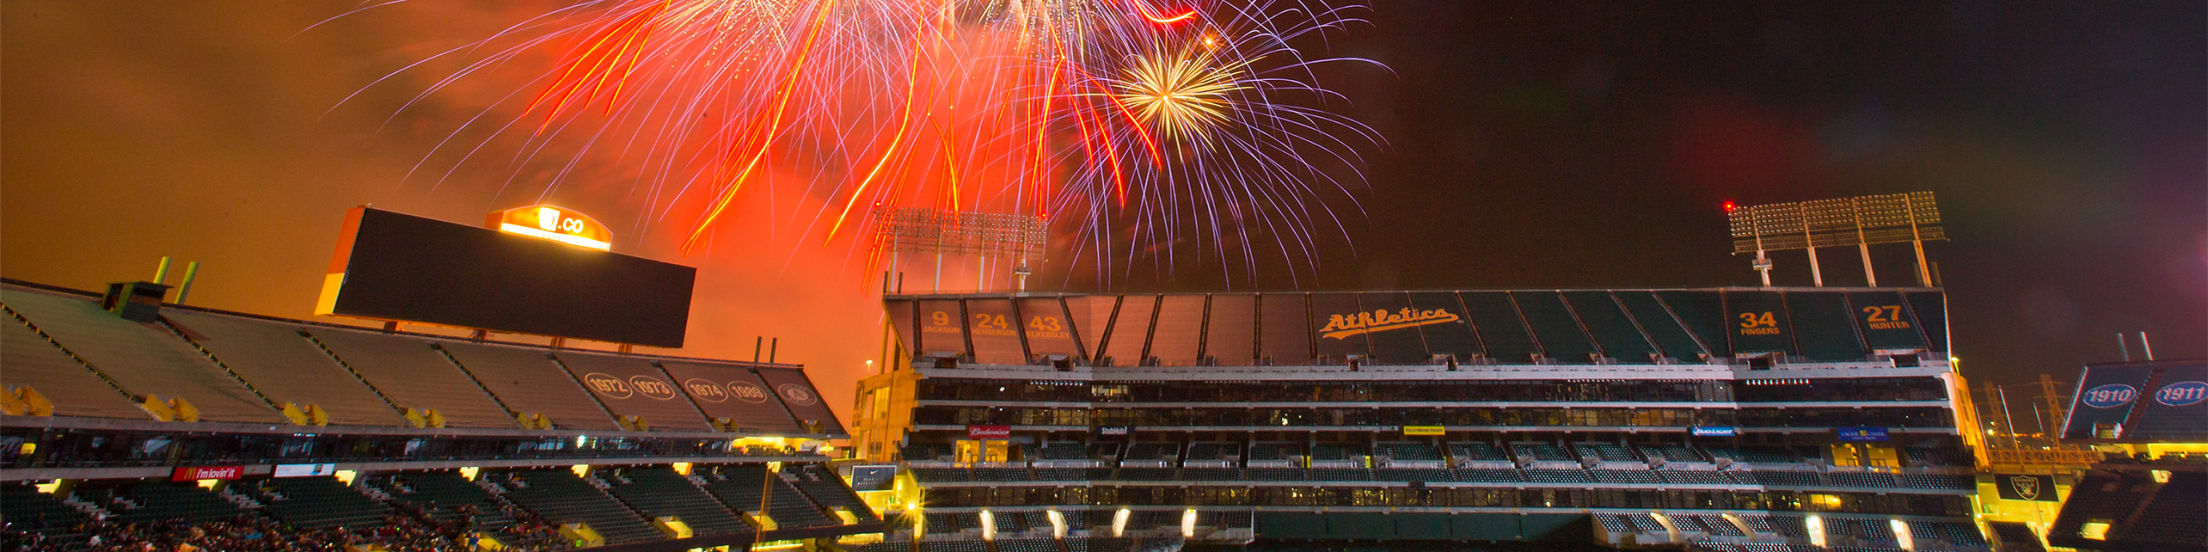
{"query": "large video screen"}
[(393, 266)]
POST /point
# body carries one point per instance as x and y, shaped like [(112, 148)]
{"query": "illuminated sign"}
[(2184, 393), (554, 223), (2110, 395), (305, 470), (988, 432), (1340, 326), (1422, 431), (207, 472), (1713, 431), (873, 478), (1861, 434)]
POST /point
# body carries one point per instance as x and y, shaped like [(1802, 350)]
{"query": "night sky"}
[(1527, 145)]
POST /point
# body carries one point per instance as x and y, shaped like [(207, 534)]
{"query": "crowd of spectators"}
[(401, 531)]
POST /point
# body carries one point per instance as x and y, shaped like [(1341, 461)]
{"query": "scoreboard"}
[(540, 272)]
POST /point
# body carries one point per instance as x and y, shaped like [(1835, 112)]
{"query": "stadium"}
[(1710, 419), (1099, 276)]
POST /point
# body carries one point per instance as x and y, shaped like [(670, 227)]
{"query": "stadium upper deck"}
[(1758, 326), (1714, 418), (224, 378), (202, 416)]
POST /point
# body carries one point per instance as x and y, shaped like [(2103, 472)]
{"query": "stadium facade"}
[(187, 415), (1723, 419)]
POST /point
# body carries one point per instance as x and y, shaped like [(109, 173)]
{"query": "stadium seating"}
[(142, 358), (674, 411), (24, 507), (1558, 476), (445, 495), (1260, 452), (1213, 451), (1211, 474), (528, 381), (1716, 524), (1673, 454), (1488, 475), (657, 491), (1340, 474), (318, 502), (145, 502), (285, 366), (34, 361), (1938, 481), (1860, 479), (1002, 474), (1540, 452), (1413, 452), (415, 376), (827, 489), (1062, 450), (1152, 451), (942, 475), (1146, 474), (1412, 474), (1787, 478), (1477, 452), (1329, 452), (1637, 477), (1695, 477), (1605, 452), (559, 495)]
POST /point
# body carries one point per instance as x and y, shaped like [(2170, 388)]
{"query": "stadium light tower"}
[(1861, 221), (1019, 238)]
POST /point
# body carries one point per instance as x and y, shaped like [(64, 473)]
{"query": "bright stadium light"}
[(988, 526), (1861, 221), (1119, 522), (1020, 238), (1188, 523), (1816, 526), (1057, 524)]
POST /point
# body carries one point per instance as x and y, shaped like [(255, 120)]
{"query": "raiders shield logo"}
[(2025, 486)]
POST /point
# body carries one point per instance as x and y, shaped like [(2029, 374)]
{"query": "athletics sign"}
[(1340, 326)]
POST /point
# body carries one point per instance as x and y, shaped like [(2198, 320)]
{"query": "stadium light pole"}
[(1021, 238), (1861, 221)]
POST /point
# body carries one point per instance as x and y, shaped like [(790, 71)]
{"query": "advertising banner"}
[(988, 432), (195, 473), (2040, 488), (873, 478), (1861, 434), (305, 470)]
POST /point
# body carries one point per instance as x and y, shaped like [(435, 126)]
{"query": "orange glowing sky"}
[(204, 131)]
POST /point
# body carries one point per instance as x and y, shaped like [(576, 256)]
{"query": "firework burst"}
[(1144, 123)]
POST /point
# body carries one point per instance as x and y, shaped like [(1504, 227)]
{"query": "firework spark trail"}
[(1148, 124)]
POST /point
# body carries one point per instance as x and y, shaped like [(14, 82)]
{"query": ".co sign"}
[(2184, 393), (2110, 395)]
